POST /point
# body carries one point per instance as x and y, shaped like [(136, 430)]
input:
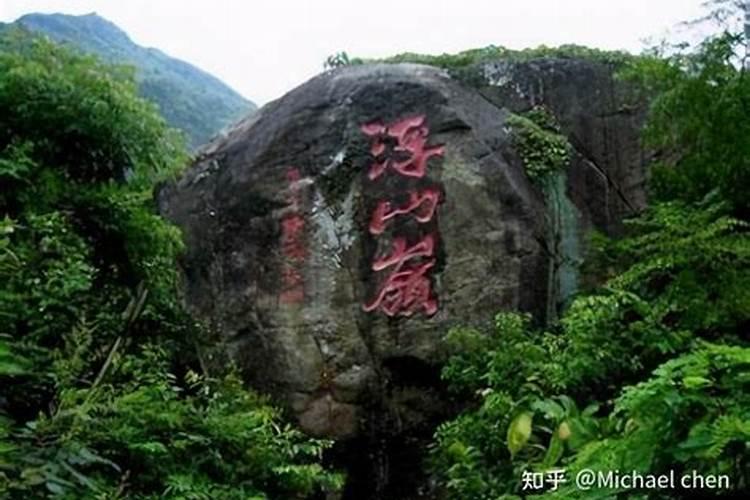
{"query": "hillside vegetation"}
[(104, 394), (190, 99)]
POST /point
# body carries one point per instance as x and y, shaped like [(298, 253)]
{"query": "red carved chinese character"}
[(422, 203), (291, 277), (292, 296), (292, 283), (291, 228), (293, 175), (410, 153), (292, 244), (407, 289)]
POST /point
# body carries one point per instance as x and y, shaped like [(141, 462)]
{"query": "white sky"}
[(265, 48)]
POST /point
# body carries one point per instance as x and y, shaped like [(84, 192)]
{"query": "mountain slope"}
[(189, 98)]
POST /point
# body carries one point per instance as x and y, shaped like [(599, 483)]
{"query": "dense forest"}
[(105, 393)]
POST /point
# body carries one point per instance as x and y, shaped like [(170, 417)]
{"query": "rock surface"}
[(605, 182), (602, 118), (335, 235)]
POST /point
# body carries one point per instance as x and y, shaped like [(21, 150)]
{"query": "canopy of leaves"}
[(103, 391), (494, 52), (465, 66), (699, 121)]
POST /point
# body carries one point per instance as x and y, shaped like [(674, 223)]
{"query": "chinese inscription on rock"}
[(292, 243), (404, 284)]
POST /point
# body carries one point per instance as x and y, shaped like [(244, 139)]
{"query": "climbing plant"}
[(540, 144)]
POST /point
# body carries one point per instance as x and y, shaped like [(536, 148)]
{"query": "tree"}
[(103, 391), (648, 372)]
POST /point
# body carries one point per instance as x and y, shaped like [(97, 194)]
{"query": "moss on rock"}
[(543, 149)]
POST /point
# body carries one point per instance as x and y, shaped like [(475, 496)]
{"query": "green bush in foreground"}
[(626, 380), (103, 395), (690, 413)]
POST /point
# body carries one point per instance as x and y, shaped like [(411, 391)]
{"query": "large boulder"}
[(346, 225), (335, 235)]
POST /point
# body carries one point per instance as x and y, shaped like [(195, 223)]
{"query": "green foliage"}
[(91, 129), (681, 275), (699, 121), (543, 149), (337, 60), (691, 263), (101, 392), (154, 434), (511, 370), (494, 52), (190, 99), (692, 414), (465, 66)]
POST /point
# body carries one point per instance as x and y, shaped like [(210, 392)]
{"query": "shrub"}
[(103, 395)]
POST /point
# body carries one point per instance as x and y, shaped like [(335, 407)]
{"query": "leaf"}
[(554, 451), (550, 408), (695, 382), (151, 448), (81, 478), (519, 432), (564, 431), (10, 362)]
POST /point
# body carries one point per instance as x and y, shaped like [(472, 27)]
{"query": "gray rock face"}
[(602, 118), (335, 235), (605, 182)]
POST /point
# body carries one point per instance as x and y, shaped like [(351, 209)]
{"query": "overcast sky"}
[(265, 48)]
